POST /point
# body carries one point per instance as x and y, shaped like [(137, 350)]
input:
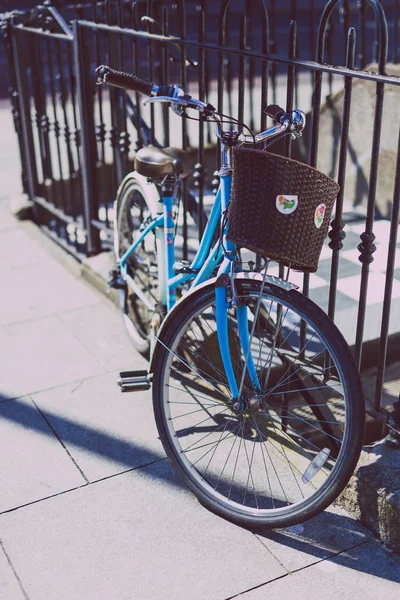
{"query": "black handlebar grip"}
[(128, 81), (275, 112)]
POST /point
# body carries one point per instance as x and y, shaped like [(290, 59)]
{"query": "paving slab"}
[(100, 329), (9, 586), (138, 535), (40, 290), (18, 248), (34, 464), (366, 572), (106, 431), (41, 354), (7, 220)]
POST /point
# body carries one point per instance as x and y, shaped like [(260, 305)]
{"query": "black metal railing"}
[(77, 140)]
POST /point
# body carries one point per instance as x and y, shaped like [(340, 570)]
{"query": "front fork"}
[(223, 304), (226, 276)]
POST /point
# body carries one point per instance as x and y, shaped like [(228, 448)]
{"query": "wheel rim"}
[(142, 264), (277, 460)]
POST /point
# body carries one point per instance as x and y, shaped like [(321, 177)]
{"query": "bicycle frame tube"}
[(155, 223), (169, 235), (204, 262)]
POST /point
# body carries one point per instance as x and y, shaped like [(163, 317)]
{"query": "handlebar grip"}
[(275, 112), (128, 81)]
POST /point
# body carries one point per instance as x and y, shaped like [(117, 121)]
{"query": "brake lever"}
[(177, 107), (157, 99)]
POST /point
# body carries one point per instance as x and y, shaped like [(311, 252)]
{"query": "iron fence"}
[(77, 140)]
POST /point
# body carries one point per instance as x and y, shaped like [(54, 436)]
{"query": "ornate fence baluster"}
[(242, 68), (23, 90), (123, 141), (105, 191), (135, 49), (367, 247), (6, 33), (185, 138), (71, 205), (89, 158), (41, 117), (200, 172), (392, 250), (165, 72), (59, 198), (337, 233)]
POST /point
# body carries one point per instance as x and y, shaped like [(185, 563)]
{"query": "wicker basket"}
[(280, 208)]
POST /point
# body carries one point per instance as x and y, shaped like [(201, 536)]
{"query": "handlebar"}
[(179, 100), (159, 93), (128, 81)]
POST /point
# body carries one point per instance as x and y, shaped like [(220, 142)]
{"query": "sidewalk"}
[(89, 506)]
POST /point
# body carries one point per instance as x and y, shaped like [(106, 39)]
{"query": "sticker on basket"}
[(319, 215), (286, 204)]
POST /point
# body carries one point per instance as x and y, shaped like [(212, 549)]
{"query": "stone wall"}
[(360, 141)]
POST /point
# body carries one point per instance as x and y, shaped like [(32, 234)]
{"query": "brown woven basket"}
[(280, 208)]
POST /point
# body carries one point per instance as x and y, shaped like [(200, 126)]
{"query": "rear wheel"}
[(290, 448), (133, 213)]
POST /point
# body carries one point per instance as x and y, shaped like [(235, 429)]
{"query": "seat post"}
[(167, 186)]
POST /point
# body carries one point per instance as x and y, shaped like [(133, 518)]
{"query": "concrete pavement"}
[(89, 505)]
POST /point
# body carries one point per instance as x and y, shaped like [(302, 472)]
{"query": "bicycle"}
[(256, 396)]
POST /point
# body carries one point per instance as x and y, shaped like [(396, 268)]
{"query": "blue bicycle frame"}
[(201, 269), (203, 263)]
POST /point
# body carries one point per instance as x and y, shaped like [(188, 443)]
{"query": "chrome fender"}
[(152, 197)]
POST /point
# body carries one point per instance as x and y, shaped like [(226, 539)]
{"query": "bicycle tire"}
[(135, 204), (281, 436)]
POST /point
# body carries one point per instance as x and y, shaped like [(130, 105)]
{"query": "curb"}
[(373, 494)]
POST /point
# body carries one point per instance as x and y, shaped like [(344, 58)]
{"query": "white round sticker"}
[(319, 215), (286, 204)]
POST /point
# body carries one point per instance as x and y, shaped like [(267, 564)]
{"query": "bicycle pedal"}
[(134, 381)]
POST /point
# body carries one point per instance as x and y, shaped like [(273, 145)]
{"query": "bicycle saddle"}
[(156, 163)]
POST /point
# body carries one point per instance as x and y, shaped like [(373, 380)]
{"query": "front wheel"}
[(289, 449)]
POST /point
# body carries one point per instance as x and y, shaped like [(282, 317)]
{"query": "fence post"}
[(25, 114), (6, 32), (84, 79)]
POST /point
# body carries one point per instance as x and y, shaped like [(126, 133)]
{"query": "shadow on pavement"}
[(328, 535), (70, 433)]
